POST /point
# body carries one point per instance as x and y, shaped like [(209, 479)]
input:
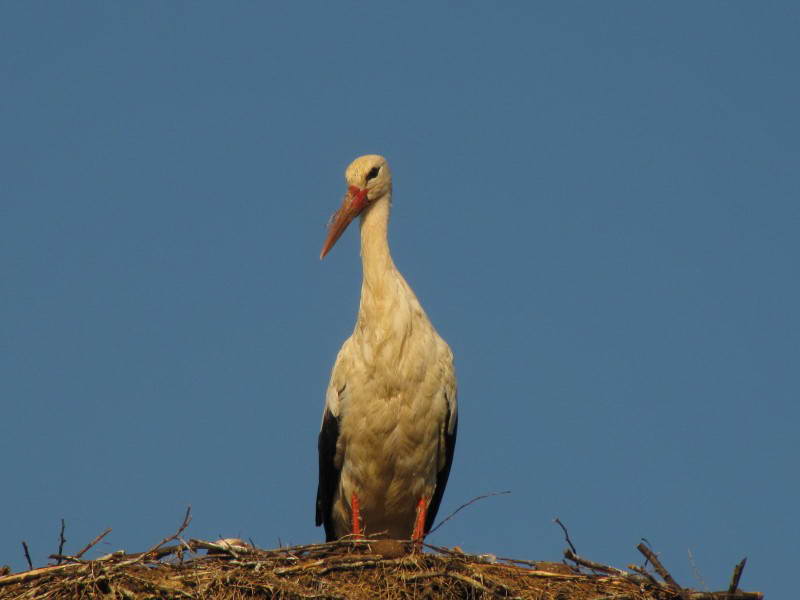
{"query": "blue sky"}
[(597, 204)]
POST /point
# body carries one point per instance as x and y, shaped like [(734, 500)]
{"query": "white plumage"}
[(390, 419)]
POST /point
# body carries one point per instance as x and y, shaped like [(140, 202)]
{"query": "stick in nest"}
[(458, 577), (646, 541), (570, 555), (456, 511), (566, 534), (61, 542), (186, 520), (27, 554), (93, 543), (737, 574), (650, 555), (644, 573)]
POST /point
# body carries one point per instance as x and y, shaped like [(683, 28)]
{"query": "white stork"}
[(390, 419)]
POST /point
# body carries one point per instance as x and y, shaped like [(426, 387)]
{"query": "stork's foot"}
[(419, 524), (355, 510)]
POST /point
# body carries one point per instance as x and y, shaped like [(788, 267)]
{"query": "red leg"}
[(419, 524), (355, 509)]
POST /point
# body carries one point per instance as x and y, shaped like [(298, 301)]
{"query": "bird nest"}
[(234, 570)]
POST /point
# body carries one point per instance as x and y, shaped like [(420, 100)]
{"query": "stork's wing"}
[(449, 446), (328, 473), (329, 468), (447, 437)]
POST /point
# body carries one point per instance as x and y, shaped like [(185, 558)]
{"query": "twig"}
[(302, 550), (571, 576), (93, 543), (570, 555), (737, 574), (650, 555), (725, 596), (136, 556), (184, 544), (341, 566), (35, 574), (228, 547), (566, 534), (61, 542), (463, 578), (63, 557), (165, 591), (445, 550), (403, 561), (27, 554), (518, 561), (186, 520), (470, 582), (223, 547), (505, 591), (642, 571), (649, 545), (478, 557), (697, 575), (290, 550), (475, 499), (421, 575), (346, 566)]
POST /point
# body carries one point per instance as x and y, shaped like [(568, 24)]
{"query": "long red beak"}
[(355, 200)]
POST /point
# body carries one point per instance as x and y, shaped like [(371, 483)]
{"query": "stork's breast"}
[(391, 443)]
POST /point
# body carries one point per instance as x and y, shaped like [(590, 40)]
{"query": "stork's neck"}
[(387, 302), (375, 256)]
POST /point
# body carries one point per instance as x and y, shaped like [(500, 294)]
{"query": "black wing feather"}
[(328, 473), (441, 478)]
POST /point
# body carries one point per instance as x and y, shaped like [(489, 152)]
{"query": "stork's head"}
[(368, 179)]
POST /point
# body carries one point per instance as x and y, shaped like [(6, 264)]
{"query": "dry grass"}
[(352, 570)]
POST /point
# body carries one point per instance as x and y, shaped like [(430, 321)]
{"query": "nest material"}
[(353, 570)]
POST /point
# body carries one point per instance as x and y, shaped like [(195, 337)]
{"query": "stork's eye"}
[(373, 173)]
